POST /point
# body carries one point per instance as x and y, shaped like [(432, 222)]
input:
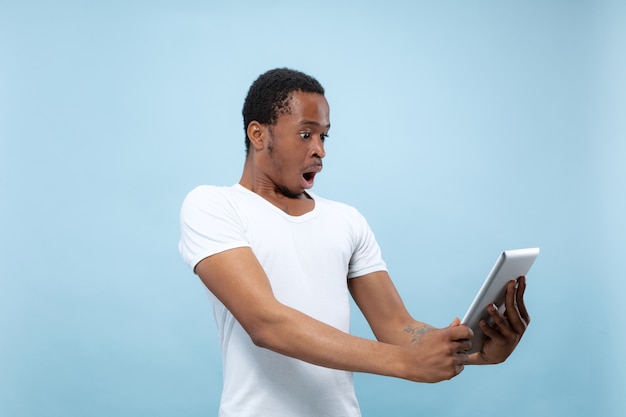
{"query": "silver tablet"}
[(511, 264)]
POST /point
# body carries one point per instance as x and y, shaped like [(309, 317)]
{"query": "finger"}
[(500, 323), (459, 368), (519, 295), (460, 360), (460, 333), (489, 331), (463, 345), (515, 319)]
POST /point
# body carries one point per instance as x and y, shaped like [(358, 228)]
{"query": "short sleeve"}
[(209, 223), (367, 256)]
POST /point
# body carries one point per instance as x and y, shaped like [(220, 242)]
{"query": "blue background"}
[(459, 129)]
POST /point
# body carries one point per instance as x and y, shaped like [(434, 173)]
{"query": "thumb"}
[(456, 322)]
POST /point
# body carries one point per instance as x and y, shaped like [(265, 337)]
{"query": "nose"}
[(317, 148)]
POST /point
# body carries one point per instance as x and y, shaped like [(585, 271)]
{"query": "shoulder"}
[(210, 194), (210, 222), (202, 192), (210, 199)]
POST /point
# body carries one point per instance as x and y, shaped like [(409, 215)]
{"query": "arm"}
[(237, 279), (382, 306), (390, 321), (379, 301)]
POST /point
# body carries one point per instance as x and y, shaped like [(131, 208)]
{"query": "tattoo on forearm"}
[(417, 332)]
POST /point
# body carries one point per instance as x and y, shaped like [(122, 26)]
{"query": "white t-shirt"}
[(308, 260)]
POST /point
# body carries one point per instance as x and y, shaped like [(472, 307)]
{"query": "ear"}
[(257, 134)]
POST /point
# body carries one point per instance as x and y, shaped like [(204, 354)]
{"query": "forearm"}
[(432, 357), (405, 332), (292, 333)]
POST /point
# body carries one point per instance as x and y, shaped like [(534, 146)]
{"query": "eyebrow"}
[(311, 122)]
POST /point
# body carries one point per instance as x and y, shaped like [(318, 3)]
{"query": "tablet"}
[(511, 264)]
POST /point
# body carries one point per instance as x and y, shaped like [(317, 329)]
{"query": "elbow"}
[(265, 332), (260, 336)]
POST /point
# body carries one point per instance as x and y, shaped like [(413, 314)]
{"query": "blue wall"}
[(459, 129)]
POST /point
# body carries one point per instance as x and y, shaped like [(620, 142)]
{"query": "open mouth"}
[(308, 178)]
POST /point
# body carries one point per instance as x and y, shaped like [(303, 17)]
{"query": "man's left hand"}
[(507, 328)]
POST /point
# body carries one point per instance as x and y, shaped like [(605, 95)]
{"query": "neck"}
[(295, 205)]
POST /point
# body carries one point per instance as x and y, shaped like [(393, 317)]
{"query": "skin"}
[(280, 155), (281, 166)]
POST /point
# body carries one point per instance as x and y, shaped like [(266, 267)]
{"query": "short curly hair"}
[(269, 96)]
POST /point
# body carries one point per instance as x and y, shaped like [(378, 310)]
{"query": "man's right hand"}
[(440, 354)]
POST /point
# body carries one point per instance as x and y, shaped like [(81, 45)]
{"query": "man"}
[(281, 263)]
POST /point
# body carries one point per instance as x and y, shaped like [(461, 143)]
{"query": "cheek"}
[(280, 161)]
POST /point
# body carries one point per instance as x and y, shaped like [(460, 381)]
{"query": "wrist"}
[(403, 363)]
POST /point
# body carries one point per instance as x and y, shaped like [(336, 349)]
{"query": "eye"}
[(305, 135), (323, 137)]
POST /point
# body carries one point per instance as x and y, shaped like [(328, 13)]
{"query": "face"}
[(294, 146)]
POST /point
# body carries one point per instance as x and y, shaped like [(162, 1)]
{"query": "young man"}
[(281, 264)]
